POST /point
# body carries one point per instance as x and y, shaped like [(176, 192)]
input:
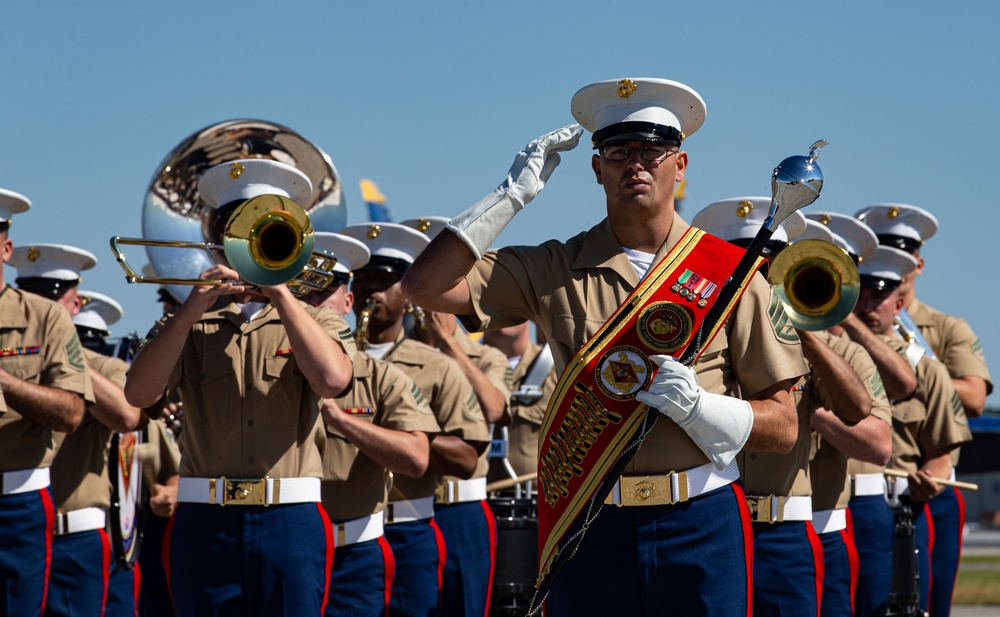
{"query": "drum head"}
[(128, 497)]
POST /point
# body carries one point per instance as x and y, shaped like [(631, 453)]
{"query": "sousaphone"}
[(174, 210)]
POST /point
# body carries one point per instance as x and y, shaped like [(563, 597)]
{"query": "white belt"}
[(827, 521), (85, 519), (672, 487), (359, 530), (406, 510), (25, 480), (263, 492), (779, 509), (864, 484), (458, 491)]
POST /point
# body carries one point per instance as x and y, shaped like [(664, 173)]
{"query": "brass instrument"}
[(916, 344), (418, 314), (817, 282), (361, 332), (268, 241), (173, 208)]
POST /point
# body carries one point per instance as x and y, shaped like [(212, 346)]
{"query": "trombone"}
[(816, 282), (268, 240)]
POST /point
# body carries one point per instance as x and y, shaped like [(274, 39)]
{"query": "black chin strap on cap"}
[(877, 283), (379, 263), (902, 243), (636, 131), (45, 286)]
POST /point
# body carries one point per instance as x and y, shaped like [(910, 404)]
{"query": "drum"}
[(128, 497), (904, 593), (517, 555)]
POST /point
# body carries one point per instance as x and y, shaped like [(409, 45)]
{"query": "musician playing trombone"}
[(251, 365)]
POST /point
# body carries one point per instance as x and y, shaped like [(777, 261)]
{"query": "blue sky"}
[(432, 100)]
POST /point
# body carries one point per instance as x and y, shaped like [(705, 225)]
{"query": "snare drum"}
[(128, 497), (904, 594), (517, 555)]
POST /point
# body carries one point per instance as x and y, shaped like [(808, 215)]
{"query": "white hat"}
[(900, 225), (850, 234), (351, 254), (12, 203), (641, 109), (430, 225), (740, 218), (815, 231), (248, 178), (886, 269), (98, 311), (50, 268), (393, 247)]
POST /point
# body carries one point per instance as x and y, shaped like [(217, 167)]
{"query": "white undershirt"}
[(514, 361), (640, 261), (378, 350), (251, 309)]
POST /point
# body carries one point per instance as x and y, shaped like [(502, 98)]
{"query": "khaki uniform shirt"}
[(248, 410), (569, 289), (159, 453), (526, 418), (495, 366), (451, 400), (353, 484), (829, 467), (930, 422), (80, 470), (953, 341), (38, 344)]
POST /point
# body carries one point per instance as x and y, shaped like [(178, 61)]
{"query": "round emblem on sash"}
[(665, 326), (622, 372)]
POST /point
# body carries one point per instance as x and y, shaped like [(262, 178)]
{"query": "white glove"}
[(719, 425), (480, 225)]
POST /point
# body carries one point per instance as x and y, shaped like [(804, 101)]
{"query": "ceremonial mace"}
[(795, 183)]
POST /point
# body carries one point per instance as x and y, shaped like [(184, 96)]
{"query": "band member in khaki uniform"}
[(468, 524), (570, 288), (527, 402), (416, 539), (848, 464), (954, 343), (251, 367), (927, 426), (378, 429), (44, 388)]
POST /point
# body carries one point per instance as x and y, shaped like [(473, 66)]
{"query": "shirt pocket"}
[(27, 368), (216, 393), (283, 384)]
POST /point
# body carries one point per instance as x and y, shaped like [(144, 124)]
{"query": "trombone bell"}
[(269, 240), (817, 282)]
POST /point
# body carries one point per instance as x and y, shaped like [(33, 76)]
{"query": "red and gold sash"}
[(592, 416)]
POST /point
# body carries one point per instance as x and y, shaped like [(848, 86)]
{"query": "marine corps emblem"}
[(622, 372), (664, 326)]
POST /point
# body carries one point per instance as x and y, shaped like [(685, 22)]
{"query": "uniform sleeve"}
[(405, 406), (863, 365), (456, 406), (64, 365), (946, 426), (763, 346), (963, 354), (504, 287), (334, 325)]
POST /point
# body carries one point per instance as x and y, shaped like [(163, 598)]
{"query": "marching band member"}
[(700, 531), (413, 533), (251, 366), (380, 427), (957, 346), (927, 426), (81, 489), (467, 523)]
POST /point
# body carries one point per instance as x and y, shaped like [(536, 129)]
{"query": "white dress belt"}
[(358, 530), (260, 492), (779, 509), (864, 484), (827, 521), (672, 487), (75, 521), (459, 491), (406, 510), (25, 480)]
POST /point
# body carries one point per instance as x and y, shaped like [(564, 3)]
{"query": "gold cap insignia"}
[(825, 219), (34, 254), (423, 225), (892, 213), (374, 231), (84, 300), (625, 88), (236, 170), (746, 207)]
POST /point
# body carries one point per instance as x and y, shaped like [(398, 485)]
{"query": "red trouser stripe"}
[(50, 523), (491, 524), (390, 571), (817, 549), (744, 509), (442, 557), (852, 555), (329, 555), (106, 561)]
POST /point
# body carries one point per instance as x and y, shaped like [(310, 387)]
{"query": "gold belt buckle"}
[(760, 509), (442, 494), (242, 492), (647, 490)]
